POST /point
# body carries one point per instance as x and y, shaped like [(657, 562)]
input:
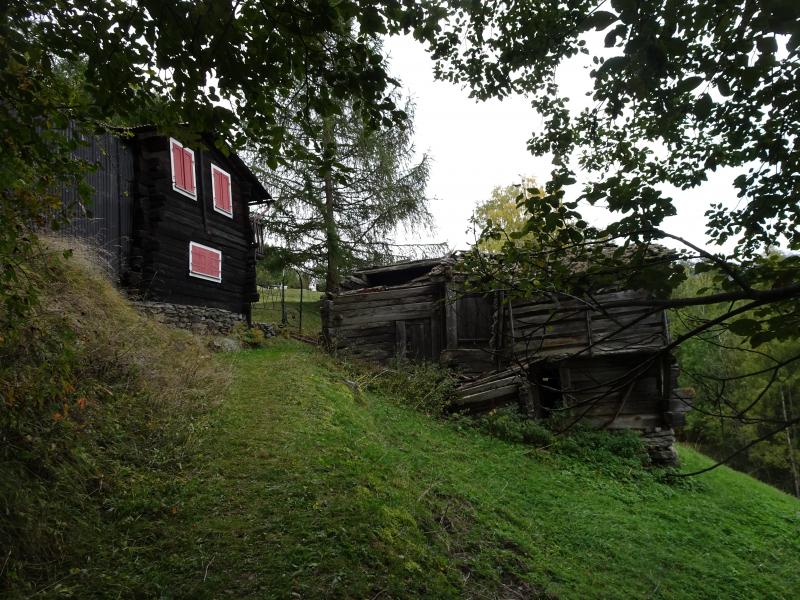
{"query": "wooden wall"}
[(106, 221), (165, 221), (386, 322), (616, 392), (563, 327), (633, 391), (599, 366)]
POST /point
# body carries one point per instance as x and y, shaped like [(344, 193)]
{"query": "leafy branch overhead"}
[(678, 90)]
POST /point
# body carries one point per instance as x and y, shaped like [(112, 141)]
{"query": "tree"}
[(340, 200), (680, 90), (504, 213), (724, 370)]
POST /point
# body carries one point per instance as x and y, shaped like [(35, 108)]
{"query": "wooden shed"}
[(601, 362), (173, 218)]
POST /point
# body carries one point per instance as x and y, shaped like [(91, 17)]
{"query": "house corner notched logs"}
[(603, 367)]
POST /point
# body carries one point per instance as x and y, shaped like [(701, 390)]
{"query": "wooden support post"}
[(451, 317), (400, 339)]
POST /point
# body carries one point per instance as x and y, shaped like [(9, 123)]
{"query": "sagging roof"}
[(398, 273)]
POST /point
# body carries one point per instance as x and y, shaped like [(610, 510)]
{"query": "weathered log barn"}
[(560, 356), (173, 220)]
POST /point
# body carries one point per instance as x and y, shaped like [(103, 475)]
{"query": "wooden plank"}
[(451, 318), (385, 317), (382, 293), (368, 303), (388, 309), (469, 389), (468, 359), (638, 422), (400, 339), (509, 391)]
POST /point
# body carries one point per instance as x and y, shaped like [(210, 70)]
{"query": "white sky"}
[(477, 146)]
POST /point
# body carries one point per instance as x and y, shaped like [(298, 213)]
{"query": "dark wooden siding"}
[(562, 327), (384, 323), (106, 220), (166, 222)]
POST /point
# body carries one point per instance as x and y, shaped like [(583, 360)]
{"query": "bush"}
[(510, 425), (249, 337), (425, 386), (610, 451)]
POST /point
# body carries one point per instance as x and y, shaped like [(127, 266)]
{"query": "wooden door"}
[(414, 341)]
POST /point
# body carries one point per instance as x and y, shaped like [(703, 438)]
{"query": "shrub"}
[(249, 337), (614, 452), (510, 425), (424, 386)]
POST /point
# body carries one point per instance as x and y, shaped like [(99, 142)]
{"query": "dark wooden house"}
[(173, 218), (581, 361)]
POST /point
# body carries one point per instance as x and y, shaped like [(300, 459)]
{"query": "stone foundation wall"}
[(197, 319), (660, 445)]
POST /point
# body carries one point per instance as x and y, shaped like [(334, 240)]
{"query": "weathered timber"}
[(509, 391)]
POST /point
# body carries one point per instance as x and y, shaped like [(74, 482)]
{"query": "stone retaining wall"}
[(197, 319), (660, 445)]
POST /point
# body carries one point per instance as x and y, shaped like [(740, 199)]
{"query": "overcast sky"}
[(477, 146)]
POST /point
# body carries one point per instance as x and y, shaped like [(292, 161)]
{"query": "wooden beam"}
[(400, 339), (451, 317)]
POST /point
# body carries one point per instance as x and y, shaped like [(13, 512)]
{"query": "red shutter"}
[(217, 188), (222, 191), (177, 166), (188, 171), (226, 193), (206, 262)]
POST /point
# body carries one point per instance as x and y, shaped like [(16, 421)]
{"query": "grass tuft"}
[(97, 400)]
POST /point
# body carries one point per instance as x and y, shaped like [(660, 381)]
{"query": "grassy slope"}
[(268, 309), (303, 492)]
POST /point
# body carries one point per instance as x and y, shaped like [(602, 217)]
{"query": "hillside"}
[(286, 486), (303, 491)]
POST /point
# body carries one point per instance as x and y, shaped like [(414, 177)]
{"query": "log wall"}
[(382, 323), (165, 221), (564, 327)]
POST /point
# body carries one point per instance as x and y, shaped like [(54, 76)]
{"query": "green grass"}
[(268, 309), (299, 490)]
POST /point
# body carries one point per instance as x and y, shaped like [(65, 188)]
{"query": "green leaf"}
[(745, 327), (599, 20), (689, 84), (703, 107)]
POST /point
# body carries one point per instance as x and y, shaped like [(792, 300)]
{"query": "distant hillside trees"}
[(740, 395)]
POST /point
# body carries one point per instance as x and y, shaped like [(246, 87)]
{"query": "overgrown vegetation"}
[(743, 392), (426, 387), (99, 410)]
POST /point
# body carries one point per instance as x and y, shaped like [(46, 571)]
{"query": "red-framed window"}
[(221, 187), (183, 178), (205, 262)]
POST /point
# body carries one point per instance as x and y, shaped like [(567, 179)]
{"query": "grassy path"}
[(303, 492)]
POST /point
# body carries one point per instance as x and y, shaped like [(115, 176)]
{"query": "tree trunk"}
[(329, 214), (792, 461), (331, 239)]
